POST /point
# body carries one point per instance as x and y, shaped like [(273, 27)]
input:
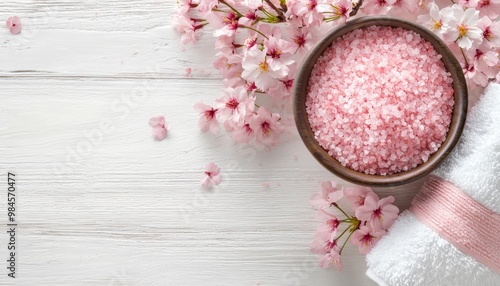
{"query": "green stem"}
[(198, 20), (246, 27), (219, 10), (232, 8), (343, 233), (465, 58), (345, 242), (356, 8), (340, 209), (280, 16)]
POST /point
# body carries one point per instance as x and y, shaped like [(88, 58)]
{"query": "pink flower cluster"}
[(258, 49), (371, 220), (472, 30), (261, 43)]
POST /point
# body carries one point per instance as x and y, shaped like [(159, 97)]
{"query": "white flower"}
[(257, 68), (463, 26), (434, 20)]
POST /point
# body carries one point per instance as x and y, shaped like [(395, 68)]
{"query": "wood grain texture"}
[(101, 203)]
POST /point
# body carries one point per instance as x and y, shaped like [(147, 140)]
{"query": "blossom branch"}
[(280, 16), (340, 209), (465, 58), (356, 8), (255, 30)]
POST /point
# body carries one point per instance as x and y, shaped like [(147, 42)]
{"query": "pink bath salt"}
[(380, 100)]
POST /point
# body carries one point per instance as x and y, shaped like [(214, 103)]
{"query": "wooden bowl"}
[(307, 135)]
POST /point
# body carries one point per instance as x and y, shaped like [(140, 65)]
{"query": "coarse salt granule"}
[(380, 100)]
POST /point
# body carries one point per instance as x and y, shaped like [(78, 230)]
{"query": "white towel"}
[(412, 253)]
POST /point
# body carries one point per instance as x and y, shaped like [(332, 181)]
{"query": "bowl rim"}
[(459, 112)]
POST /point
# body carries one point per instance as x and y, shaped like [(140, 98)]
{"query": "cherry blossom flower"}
[(481, 62), (332, 258), (328, 195), (377, 6), (491, 30), (267, 127), (357, 195), (14, 25), (243, 133), (159, 127), (380, 214), (253, 4), (490, 8), (360, 230), (235, 103), (463, 27), (283, 88), (184, 6), (250, 86), (208, 119), (339, 10), (330, 221), (306, 10), (324, 242), (211, 175), (304, 39), (225, 45), (468, 3), (205, 6), (229, 66), (250, 42), (257, 68), (365, 238), (400, 6), (231, 24), (434, 20), (280, 53), (186, 27), (249, 18)]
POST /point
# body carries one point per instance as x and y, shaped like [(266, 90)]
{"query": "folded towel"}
[(450, 235)]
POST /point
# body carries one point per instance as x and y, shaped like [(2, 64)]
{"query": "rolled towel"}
[(451, 234)]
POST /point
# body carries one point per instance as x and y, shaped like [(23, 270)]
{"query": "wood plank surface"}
[(100, 202)]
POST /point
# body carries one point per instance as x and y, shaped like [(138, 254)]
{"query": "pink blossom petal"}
[(211, 175), (323, 241), (356, 195), (217, 179), (317, 247), (157, 120), (14, 25), (335, 196), (208, 118), (212, 167), (330, 259), (328, 187), (206, 182), (159, 132), (318, 202), (365, 238)]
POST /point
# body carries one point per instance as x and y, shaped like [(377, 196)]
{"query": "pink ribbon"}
[(462, 221)]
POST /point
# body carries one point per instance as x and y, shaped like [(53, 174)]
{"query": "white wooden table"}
[(100, 202)]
